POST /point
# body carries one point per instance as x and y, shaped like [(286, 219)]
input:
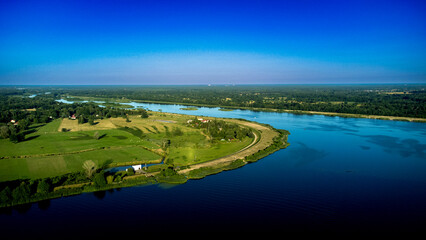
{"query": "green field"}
[(48, 152), (188, 155)]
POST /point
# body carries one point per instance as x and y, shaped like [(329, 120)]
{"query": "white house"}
[(137, 167)]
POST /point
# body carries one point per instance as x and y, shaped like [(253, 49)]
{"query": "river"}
[(338, 174)]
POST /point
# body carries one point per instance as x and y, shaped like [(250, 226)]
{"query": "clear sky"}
[(212, 42)]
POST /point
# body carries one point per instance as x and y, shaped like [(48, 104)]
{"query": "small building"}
[(12, 121), (73, 117), (137, 167)]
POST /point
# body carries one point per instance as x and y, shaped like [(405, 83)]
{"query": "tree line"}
[(17, 113), (407, 100)]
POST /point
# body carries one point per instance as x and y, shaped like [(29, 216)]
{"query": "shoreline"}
[(330, 114), (266, 141)]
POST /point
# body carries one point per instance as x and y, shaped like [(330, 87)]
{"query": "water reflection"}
[(44, 204), (305, 155), (365, 147), (99, 194), (394, 145), (330, 127)]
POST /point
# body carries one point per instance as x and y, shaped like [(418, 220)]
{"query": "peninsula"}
[(68, 156)]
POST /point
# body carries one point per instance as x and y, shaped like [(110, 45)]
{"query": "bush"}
[(168, 171), (177, 132), (130, 171), (21, 193), (16, 137), (109, 179), (43, 187), (5, 195), (144, 114), (96, 136), (4, 132), (99, 180)]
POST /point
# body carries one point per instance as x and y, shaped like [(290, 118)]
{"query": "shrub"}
[(96, 136), (89, 167), (99, 180), (109, 179), (168, 171), (130, 171), (144, 114), (43, 187)]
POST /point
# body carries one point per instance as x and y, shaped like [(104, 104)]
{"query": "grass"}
[(43, 143), (48, 152), (183, 156)]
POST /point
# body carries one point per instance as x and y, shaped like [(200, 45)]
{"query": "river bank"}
[(266, 140), (332, 114)]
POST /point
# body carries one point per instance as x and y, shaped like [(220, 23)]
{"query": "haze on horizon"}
[(216, 42)]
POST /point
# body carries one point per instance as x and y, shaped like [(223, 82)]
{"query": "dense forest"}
[(18, 112), (405, 100)]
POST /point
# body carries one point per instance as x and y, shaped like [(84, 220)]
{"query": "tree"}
[(23, 124), (5, 195), (4, 132), (130, 171), (96, 135), (81, 119), (144, 113), (89, 168), (21, 193), (16, 137), (109, 179), (91, 120), (43, 186), (177, 132), (168, 171), (99, 179)]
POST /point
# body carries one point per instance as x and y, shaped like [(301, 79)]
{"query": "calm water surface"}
[(338, 174)]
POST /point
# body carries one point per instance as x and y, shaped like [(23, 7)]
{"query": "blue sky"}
[(212, 42)]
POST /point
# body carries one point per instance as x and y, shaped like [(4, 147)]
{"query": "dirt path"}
[(259, 143)]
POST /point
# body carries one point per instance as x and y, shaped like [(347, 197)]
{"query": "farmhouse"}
[(137, 167), (203, 120)]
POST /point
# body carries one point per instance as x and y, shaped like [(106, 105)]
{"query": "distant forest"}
[(18, 111), (404, 100)]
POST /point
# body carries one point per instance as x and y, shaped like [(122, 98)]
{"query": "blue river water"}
[(338, 174)]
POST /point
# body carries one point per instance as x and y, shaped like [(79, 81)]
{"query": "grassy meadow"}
[(49, 151)]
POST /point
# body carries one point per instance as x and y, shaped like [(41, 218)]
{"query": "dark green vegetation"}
[(386, 100), (218, 129), (190, 108), (57, 163), (279, 142), (18, 111)]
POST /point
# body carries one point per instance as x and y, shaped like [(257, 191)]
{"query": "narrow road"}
[(259, 143)]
